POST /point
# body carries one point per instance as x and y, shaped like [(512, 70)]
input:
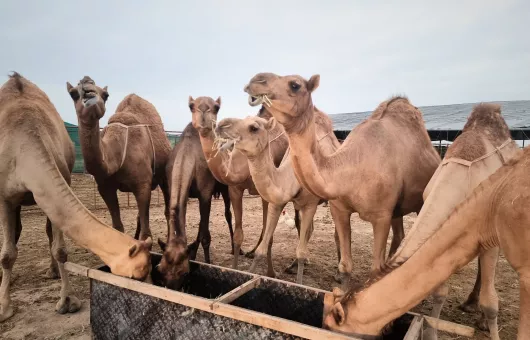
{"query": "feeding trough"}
[(220, 303)]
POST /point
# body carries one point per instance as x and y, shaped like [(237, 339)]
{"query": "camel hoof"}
[(52, 273), (70, 304), (6, 313), (482, 324), (241, 252), (272, 274), (469, 307)]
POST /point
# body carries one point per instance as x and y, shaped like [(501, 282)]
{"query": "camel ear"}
[(134, 250), (217, 105), (162, 244), (338, 314), (191, 103), (105, 95), (74, 93), (313, 83), (271, 123)]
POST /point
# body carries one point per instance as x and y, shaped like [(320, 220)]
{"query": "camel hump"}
[(397, 106), (18, 81), (487, 118), (134, 109), (18, 87)]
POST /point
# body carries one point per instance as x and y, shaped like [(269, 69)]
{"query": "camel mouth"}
[(259, 99), (87, 95)]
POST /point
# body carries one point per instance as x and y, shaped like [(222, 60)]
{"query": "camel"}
[(494, 215), (277, 185), (34, 137), (380, 171), (483, 147), (129, 155), (233, 172), (189, 177)]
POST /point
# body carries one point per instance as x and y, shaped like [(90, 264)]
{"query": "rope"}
[(468, 164), (124, 153), (272, 140)]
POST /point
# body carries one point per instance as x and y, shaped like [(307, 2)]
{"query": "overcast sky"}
[(436, 52)]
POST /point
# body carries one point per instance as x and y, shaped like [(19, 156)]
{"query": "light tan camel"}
[(483, 147), (277, 185), (380, 171), (36, 154), (233, 172), (496, 214), (129, 155)]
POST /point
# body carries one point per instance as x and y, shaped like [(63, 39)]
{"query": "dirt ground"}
[(34, 297)]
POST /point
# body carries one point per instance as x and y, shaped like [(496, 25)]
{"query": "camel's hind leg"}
[(143, 200), (53, 271), (343, 229), (293, 268), (381, 227), (471, 305), (236, 197), (397, 235), (228, 218), (8, 257), (489, 300), (205, 205), (302, 253), (439, 296), (523, 332), (68, 303), (265, 206), (110, 196)]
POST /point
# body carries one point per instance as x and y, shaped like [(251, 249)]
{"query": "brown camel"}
[(380, 171), (232, 171), (483, 147), (33, 137), (129, 155), (189, 177), (496, 214)]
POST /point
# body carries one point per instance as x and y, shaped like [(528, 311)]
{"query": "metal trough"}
[(219, 303)]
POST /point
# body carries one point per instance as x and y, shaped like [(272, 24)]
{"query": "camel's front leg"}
[(265, 206), (228, 218), (143, 200), (343, 229), (302, 253), (489, 300), (68, 303), (439, 296), (164, 187), (398, 234), (471, 304), (265, 245), (205, 205), (53, 271), (381, 227), (8, 257), (110, 196), (523, 332), (236, 197)]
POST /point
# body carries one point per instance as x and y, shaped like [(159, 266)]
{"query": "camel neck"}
[(229, 174), (92, 148), (454, 245)]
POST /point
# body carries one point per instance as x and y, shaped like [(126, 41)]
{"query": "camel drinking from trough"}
[(33, 137), (252, 136), (129, 155), (494, 215), (387, 160)]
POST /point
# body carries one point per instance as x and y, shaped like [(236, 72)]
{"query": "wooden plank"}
[(415, 329), (447, 326), (76, 269), (238, 291)]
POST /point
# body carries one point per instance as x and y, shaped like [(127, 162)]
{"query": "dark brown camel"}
[(129, 155), (189, 177)]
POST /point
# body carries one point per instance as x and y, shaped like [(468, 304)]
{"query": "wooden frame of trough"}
[(221, 305)]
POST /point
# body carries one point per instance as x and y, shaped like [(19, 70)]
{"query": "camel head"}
[(174, 265), (249, 135), (287, 98), (89, 99), (204, 113), (136, 263)]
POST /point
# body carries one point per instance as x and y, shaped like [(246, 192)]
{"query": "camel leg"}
[(205, 205), (489, 300), (293, 268), (337, 244), (439, 296), (302, 253), (523, 332), (397, 235), (110, 196), (53, 271), (381, 227), (228, 218), (236, 197), (265, 246), (343, 229), (8, 257), (265, 206), (472, 303), (143, 200), (67, 303), (167, 197)]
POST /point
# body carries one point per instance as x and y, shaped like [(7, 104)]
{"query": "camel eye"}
[(294, 86), (253, 128)]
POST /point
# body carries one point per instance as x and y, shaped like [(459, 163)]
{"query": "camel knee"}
[(238, 237), (206, 240), (345, 267), (8, 258), (440, 294), (59, 253), (302, 253)]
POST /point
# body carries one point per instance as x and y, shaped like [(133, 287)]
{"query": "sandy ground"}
[(34, 297)]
